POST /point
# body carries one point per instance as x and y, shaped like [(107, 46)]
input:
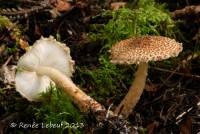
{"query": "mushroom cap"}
[(45, 52), (144, 49), (30, 85)]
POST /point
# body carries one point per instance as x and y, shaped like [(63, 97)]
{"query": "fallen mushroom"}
[(141, 50), (50, 61)]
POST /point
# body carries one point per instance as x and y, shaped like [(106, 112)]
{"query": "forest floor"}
[(171, 100)]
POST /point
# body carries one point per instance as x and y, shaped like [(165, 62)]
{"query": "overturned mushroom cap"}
[(144, 49), (45, 52)]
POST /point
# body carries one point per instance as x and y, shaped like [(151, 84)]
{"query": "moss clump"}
[(57, 108), (55, 114), (149, 18), (105, 80), (4, 22), (14, 34)]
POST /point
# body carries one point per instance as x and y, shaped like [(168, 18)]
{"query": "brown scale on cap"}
[(144, 49)]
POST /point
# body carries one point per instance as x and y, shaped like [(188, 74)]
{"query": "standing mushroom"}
[(50, 61), (141, 50)]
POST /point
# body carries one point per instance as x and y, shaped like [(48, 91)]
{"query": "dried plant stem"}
[(135, 91), (84, 102), (174, 72), (187, 11)]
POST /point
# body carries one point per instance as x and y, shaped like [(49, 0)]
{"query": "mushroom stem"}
[(84, 102), (130, 100)]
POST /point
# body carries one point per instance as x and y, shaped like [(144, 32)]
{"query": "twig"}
[(178, 73), (8, 117), (7, 61), (174, 71), (186, 11), (179, 117)]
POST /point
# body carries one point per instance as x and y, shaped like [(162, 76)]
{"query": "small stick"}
[(178, 73), (179, 117), (188, 10), (7, 61)]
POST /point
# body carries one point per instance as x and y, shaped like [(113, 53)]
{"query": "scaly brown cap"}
[(144, 49)]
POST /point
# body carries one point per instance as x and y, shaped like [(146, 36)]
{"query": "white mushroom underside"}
[(30, 85), (46, 52)]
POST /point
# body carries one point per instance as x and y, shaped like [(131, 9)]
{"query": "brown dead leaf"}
[(37, 31), (152, 126), (186, 61), (2, 48), (149, 87), (23, 44), (117, 5), (186, 126), (62, 5), (7, 73)]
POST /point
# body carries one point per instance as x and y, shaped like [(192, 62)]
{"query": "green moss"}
[(106, 79), (13, 30), (149, 18), (57, 108), (4, 22), (54, 108)]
